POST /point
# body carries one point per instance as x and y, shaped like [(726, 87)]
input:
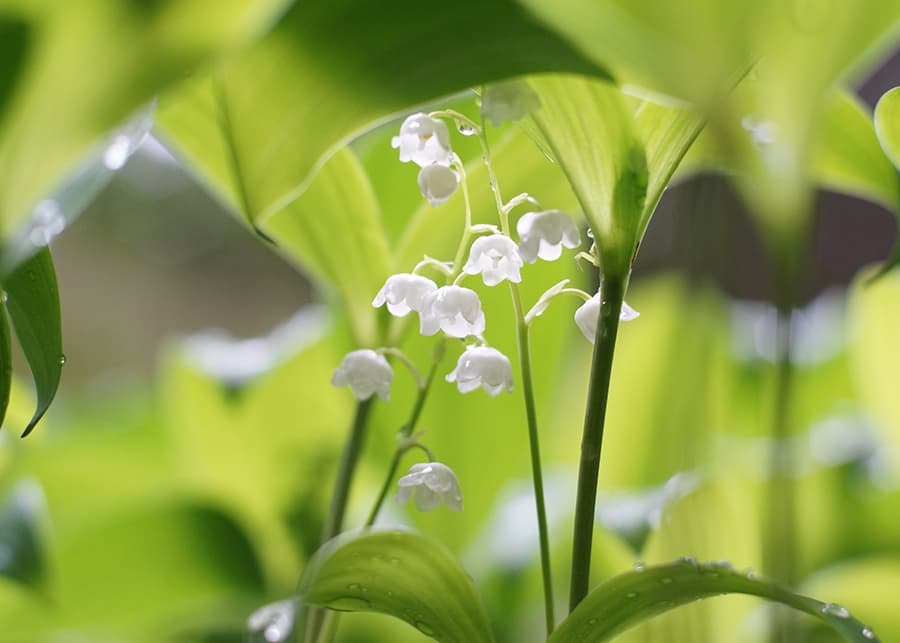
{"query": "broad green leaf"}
[(330, 71), (887, 124), (5, 361), (33, 305), (22, 546), (402, 574), (588, 130), (334, 231), (54, 110), (633, 597)]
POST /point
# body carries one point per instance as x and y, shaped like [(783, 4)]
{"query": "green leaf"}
[(334, 231), (588, 130), (887, 124), (52, 112), (5, 361), (328, 72), (401, 574), (33, 305), (21, 517), (633, 597)]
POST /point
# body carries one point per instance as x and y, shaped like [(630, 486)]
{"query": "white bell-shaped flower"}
[(588, 314), (508, 101), (453, 309), (423, 140), (485, 367), (404, 292), (433, 483), (366, 373), (543, 234), (496, 258), (437, 183)]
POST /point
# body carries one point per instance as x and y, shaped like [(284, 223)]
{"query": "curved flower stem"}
[(467, 231), (528, 395), (613, 289), (407, 431)]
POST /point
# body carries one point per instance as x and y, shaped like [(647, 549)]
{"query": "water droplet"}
[(751, 574), (631, 595), (274, 621), (62, 360), (464, 128), (640, 566), (838, 611), (868, 633), (3, 296), (349, 604), (425, 628), (667, 581), (690, 560)]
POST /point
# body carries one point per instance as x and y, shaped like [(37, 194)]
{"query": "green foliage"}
[(32, 300), (399, 573), (636, 596), (22, 531)]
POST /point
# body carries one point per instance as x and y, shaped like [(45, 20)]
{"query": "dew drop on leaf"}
[(425, 628), (868, 633), (838, 611)]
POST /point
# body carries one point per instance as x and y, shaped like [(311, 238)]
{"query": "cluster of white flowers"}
[(426, 142)]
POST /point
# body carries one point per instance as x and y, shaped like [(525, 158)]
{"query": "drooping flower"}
[(508, 101), (588, 314), (437, 183), (423, 140), (432, 483), (404, 292), (496, 257), (544, 301), (485, 367), (366, 373), (543, 234), (453, 309)]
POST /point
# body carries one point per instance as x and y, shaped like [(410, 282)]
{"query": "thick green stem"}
[(612, 288), (405, 432), (528, 395)]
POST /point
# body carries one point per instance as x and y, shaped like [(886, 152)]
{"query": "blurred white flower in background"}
[(495, 258), (508, 101), (432, 483), (485, 367), (366, 373)]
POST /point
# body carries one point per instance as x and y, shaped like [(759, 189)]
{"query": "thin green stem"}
[(406, 432), (467, 231), (528, 395), (613, 289)]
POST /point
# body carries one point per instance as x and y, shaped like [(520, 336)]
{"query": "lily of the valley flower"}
[(588, 314), (366, 373), (423, 140), (404, 292), (496, 258), (453, 309), (437, 183), (543, 234), (508, 101), (485, 367), (433, 483)]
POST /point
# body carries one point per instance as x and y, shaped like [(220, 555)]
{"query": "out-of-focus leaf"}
[(334, 231), (402, 574), (887, 124), (33, 305), (76, 70), (636, 596), (258, 129), (578, 118), (22, 514), (5, 362)]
